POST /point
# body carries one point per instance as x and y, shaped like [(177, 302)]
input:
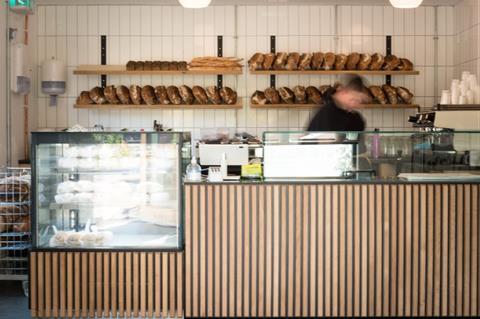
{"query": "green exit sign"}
[(21, 6)]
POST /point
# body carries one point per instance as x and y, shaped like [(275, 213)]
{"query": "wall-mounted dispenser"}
[(54, 79), (19, 72)]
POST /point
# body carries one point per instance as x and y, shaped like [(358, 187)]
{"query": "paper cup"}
[(462, 100), (446, 97)]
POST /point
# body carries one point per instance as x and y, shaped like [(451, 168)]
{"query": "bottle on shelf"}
[(194, 171), (376, 144)]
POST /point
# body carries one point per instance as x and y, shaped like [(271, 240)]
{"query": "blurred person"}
[(341, 104)]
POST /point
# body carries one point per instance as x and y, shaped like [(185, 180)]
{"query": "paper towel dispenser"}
[(20, 81)]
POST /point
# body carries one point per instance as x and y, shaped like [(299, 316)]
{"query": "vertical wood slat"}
[(55, 284), (84, 271), (69, 285), (33, 285), (216, 254), (150, 285), (76, 285), (48, 284), (91, 284), (121, 284), (115, 283)]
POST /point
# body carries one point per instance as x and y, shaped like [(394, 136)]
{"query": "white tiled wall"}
[(164, 32), (467, 30)]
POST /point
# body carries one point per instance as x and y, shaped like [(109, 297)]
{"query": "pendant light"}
[(195, 4), (406, 4)]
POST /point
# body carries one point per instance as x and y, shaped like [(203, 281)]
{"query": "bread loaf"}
[(340, 61), (352, 61), (391, 62), (131, 66), (406, 96), (139, 65), (182, 66), (256, 62), (148, 95), (97, 96), (258, 98), (186, 94), (214, 95), (200, 95), (84, 98), (292, 61), (405, 65), (164, 66), (268, 60), (156, 66), (305, 61), (378, 94), (390, 93), (329, 61), (326, 89), (147, 66), (313, 95), (364, 63), (228, 95), (280, 60), (377, 62), (111, 94), (174, 95), (317, 61), (272, 95), (162, 95), (136, 94), (300, 94), (286, 95), (123, 94)]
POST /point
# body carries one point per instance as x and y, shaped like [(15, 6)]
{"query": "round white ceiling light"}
[(195, 4), (406, 4)]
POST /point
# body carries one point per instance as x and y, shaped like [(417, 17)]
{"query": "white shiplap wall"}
[(166, 32), (467, 30)]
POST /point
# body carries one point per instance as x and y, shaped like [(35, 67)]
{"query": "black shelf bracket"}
[(219, 54), (103, 58), (388, 78), (273, 49)]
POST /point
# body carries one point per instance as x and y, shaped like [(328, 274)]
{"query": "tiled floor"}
[(13, 303)]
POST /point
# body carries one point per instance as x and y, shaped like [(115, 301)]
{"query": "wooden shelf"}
[(159, 106), (313, 106), (333, 72), (122, 70)]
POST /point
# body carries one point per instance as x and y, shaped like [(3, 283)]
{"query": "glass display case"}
[(421, 155), (101, 190)]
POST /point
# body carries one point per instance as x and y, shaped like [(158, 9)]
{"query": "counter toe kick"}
[(289, 249)]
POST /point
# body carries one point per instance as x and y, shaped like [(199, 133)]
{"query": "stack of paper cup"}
[(464, 91)]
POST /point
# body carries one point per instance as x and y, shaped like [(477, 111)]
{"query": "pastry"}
[(287, 95), (123, 94), (377, 62), (329, 61), (136, 94), (292, 61), (228, 95), (147, 66), (174, 95), (73, 239), (353, 60), (22, 224), (313, 95), (97, 96), (340, 61), (280, 60), (148, 95), (390, 93), (214, 95), (300, 94), (131, 66), (305, 61), (364, 63), (256, 62), (162, 95), (84, 98), (200, 95), (405, 65), (272, 95), (406, 96), (258, 98), (378, 94), (317, 61), (268, 60), (186, 94), (391, 62), (111, 95)]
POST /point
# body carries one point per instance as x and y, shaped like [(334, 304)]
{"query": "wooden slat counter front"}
[(332, 249)]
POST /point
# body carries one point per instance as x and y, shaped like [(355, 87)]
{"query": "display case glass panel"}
[(107, 190)]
